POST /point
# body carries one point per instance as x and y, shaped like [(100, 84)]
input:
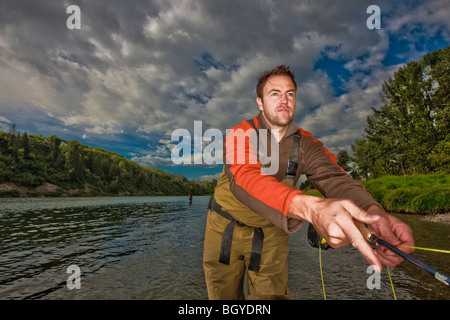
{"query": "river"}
[(151, 248)]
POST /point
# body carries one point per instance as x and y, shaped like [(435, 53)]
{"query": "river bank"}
[(443, 218), (427, 195), (416, 194), (46, 189), (9, 189)]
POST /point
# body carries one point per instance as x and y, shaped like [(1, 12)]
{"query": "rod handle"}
[(366, 233)]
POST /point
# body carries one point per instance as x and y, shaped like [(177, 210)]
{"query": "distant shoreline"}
[(12, 190)]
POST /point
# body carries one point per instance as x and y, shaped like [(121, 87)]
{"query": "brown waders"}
[(260, 250), (226, 281)]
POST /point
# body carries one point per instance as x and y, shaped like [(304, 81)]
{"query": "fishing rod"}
[(316, 240)]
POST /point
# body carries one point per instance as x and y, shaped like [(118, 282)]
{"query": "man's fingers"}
[(358, 241), (388, 260), (358, 213), (364, 248)]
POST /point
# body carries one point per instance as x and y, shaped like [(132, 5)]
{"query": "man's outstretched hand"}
[(333, 220)]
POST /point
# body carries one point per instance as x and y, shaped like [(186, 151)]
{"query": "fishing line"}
[(323, 283), (321, 274), (438, 275), (316, 240), (392, 285), (419, 248), (427, 249)]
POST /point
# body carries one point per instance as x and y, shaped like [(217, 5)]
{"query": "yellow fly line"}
[(427, 249), (389, 274), (321, 274), (315, 240), (392, 285), (323, 283), (419, 248)]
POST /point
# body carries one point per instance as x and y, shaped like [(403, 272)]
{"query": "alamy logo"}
[(74, 280), (374, 21), (74, 20), (374, 280), (241, 147)]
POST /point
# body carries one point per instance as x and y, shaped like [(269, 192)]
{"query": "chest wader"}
[(258, 237)]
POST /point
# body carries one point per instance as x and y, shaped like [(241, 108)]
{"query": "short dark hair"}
[(280, 70)]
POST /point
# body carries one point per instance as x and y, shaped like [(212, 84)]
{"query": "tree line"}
[(30, 160), (410, 133)]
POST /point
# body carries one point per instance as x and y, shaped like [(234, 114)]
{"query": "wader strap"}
[(227, 238), (252, 123), (292, 165), (255, 256)]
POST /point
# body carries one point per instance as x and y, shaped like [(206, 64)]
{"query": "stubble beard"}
[(276, 120)]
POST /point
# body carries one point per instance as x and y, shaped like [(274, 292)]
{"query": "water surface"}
[(151, 248)]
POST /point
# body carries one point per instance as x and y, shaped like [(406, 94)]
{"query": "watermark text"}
[(374, 21), (74, 280), (241, 147)]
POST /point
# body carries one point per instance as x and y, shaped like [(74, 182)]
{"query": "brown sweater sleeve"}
[(322, 170)]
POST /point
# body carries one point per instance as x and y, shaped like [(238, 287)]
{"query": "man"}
[(252, 212)]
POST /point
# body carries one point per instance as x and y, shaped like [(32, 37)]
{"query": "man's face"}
[(278, 102)]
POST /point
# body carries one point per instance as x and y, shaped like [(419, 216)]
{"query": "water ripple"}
[(151, 248)]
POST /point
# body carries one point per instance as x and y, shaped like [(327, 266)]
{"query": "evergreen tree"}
[(74, 162), (344, 160), (25, 142), (407, 134)]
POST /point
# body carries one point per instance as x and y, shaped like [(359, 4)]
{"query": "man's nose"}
[(284, 98)]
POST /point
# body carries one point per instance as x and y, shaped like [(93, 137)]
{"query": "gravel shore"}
[(443, 218)]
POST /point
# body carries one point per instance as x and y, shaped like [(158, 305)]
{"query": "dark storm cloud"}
[(146, 68)]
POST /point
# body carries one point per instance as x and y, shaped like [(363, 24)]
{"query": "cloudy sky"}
[(138, 70)]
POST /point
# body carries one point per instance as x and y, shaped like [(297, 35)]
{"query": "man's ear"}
[(260, 103)]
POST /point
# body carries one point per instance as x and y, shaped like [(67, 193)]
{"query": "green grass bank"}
[(412, 194), (421, 194)]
